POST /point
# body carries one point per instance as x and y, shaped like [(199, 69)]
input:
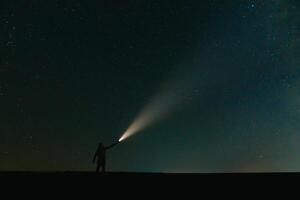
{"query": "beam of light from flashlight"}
[(171, 96), (203, 71), (155, 111), (180, 90)]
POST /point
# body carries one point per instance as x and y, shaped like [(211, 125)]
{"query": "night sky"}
[(74, 73)]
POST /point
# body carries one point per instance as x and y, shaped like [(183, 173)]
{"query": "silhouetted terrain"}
[(126, 182), (83, 173)]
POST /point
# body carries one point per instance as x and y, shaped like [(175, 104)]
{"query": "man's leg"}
[(98, 167), (103, 166)]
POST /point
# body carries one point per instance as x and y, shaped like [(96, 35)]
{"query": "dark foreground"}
[(124, 176), (141, 174), (127, 182)]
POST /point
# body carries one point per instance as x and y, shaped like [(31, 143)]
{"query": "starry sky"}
[(73, 73)]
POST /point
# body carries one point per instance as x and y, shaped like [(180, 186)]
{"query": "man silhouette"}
[(101, 157)]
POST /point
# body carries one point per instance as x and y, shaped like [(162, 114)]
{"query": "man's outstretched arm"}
[(112, 145)]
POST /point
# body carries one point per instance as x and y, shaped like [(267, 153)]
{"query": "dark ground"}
[(141, 174), (115, 184)]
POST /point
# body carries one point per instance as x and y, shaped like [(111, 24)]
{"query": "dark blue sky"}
[(75, 73)]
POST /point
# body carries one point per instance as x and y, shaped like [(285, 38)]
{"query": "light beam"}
[(166, 101), (186, 85)]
